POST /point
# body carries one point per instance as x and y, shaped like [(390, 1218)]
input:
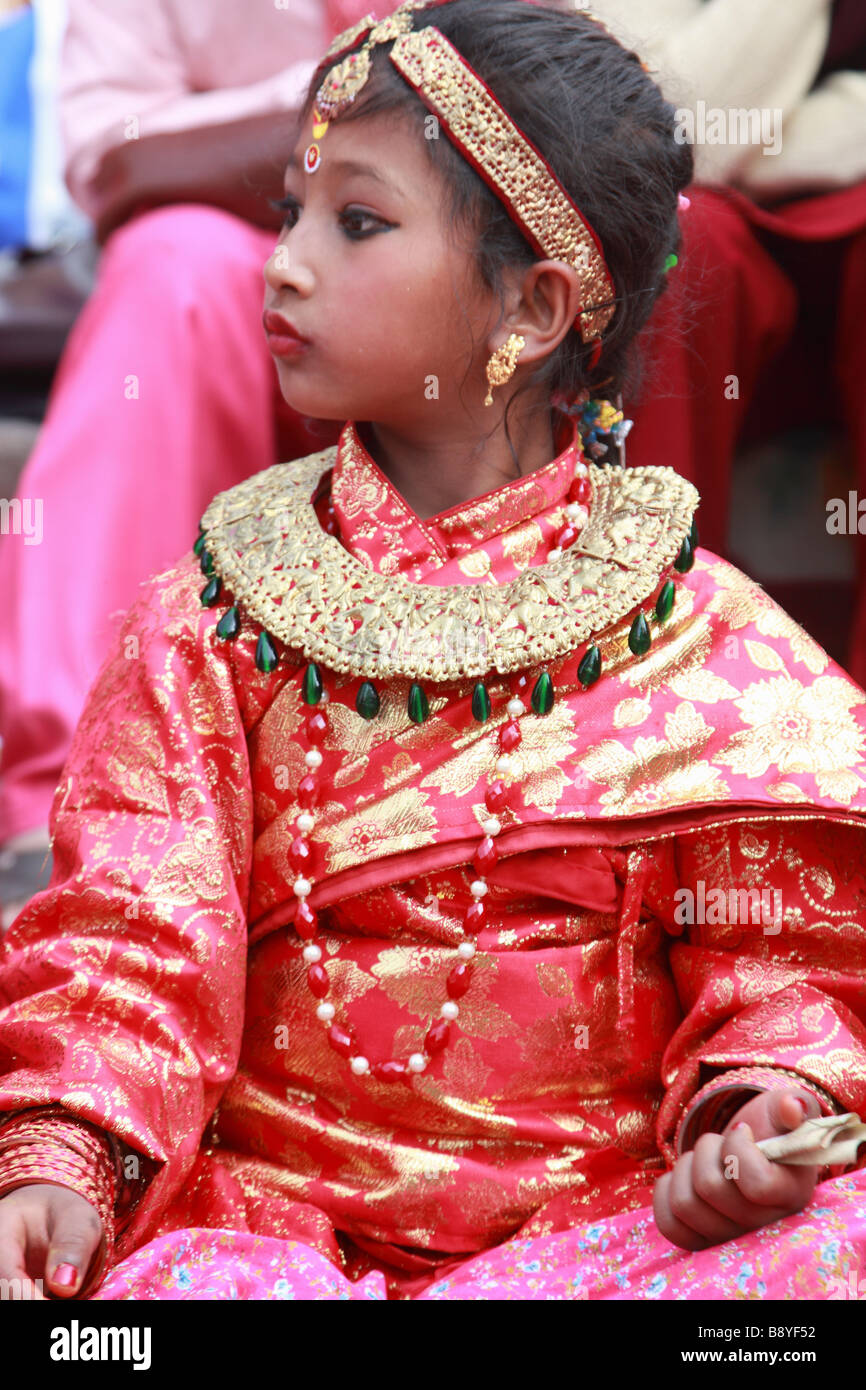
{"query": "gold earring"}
[(500, 368)]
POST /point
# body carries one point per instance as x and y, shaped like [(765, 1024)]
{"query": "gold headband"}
[(488, 138)]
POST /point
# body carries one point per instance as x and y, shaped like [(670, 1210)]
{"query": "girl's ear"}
[(550, 298)]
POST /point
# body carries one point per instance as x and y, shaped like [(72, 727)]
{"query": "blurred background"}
[(47, 252)]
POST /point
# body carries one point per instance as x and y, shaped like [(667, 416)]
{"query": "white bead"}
[(581, 470), (324, 697), (306, 822), (492, 826), (505, 765), (313, 758), (359, 1065), (417, 1062), (555, 553), (478, 889), (580, 515), (303, 887), (515, 707), (312, 954), (325, 1012), (466, 950), (449, 1010)]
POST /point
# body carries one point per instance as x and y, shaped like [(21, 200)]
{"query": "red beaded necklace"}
[(306, 922)]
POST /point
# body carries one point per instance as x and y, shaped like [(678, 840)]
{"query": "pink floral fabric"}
[(817, 1254)]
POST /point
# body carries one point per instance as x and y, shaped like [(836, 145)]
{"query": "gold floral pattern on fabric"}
[(523, 543), (397, 823), (151, 863), (740, 601), (376, 524), (770, 987), (500, 533), (800, 728), (657, 772)]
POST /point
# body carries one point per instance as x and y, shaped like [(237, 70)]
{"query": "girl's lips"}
[(283, 338), (286, 347)]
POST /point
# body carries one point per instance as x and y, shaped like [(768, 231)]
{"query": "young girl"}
[(456, 875)]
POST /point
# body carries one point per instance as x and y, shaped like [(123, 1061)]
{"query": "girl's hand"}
[(47, 1232), (725, 1186)]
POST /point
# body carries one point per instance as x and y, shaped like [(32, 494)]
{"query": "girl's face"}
[(367, 272)]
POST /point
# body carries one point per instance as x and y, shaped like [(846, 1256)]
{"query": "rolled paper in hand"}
[(825, 1142)]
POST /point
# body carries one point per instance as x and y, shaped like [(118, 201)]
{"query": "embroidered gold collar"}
[(306, 589)]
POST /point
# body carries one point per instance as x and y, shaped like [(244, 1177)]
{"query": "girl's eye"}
[(358, 224), (289, 205), (355, 222)]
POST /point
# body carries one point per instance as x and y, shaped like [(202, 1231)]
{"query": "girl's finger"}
[(75, 1236), (763, 1184), (16, 1282), (691, 1209), (714, 1170), (788, 1109), (668, 1225)]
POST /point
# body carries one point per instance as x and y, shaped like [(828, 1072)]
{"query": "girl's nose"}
[(285, 269)]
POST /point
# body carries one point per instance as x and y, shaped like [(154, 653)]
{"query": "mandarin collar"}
[(378, 526)]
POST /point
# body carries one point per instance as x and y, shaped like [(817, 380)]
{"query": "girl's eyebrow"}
[(347, 167)]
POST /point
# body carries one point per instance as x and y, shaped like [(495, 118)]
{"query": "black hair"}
[(587, 103)]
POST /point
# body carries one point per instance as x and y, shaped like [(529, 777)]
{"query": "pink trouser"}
[(166, 394)]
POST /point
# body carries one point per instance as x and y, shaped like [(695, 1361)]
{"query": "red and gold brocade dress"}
[(157, 991)]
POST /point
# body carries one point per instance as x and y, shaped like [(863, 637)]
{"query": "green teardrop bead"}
[(480, 703), (589, 669), (207, 564), (542, 694), (199, 545), (314, 686), (665, 602), (639, 638), (367, 701), (419, 705), (266, 654), (229, 625), (211, 592), (686, 557), (693, 534)]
